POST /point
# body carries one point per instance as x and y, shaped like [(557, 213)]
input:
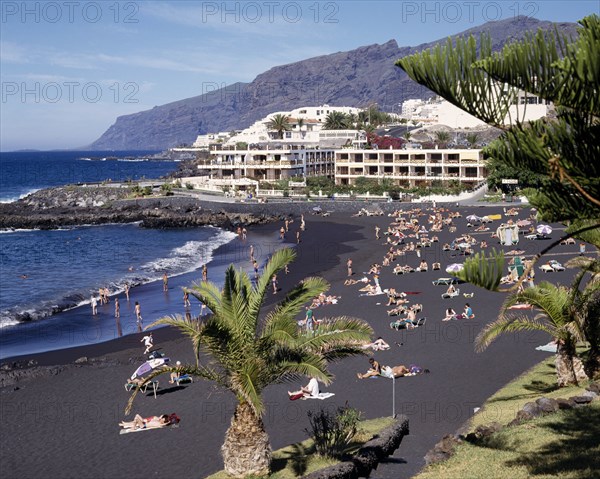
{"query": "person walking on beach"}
[(282, 233), (251, 252), (255, 265), (377, 230), (244, 234), (127, 291), (106, 296), (165, 282), (148, 342), (287, 225), (94, 303), (117, 308), (302, 223), (274, 283), (349, 266), (186, 299), (298, 237), (204, 273), (138, 312)]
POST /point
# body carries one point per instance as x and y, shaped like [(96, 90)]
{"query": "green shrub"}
[(189, 186), (333, 433)]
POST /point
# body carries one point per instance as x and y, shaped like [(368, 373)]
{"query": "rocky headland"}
[(84, 205)]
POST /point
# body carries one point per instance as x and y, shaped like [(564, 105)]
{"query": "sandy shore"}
[(64, 422)]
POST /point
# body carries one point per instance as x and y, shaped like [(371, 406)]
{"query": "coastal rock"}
[(443, 450), (343, 470), (482, 432), (565, 403), (547, 405), (81, 360), (594, 387)]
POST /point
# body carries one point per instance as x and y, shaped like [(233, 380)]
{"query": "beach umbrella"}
[(149, 366), (522, 223), (473, 218), (317, 209), (544, 229), (454, 268)]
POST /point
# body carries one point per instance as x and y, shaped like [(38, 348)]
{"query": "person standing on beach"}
[(282, 233), (165, 282), (255, 264), (298, 237), (127, 291), (204, 273), (106, 296), (94, 303), (117, 308), (274, 283), (377, 230), (349, 266), (244, 234), (287, 225), (251, 252), (186, 299), (302, 223), (138, 312)]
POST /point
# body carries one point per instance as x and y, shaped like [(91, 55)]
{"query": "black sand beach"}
[(64, 422)]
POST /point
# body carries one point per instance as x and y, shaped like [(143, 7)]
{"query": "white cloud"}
[(11, 52)]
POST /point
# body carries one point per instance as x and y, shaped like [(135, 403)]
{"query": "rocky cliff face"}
[(354, 78)]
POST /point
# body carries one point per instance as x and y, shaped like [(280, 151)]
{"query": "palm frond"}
[(483, 271), (508, 325)]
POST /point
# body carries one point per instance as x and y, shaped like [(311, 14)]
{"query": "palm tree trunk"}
[(246, 450), (569, 368)]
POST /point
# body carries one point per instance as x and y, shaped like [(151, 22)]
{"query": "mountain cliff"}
[(355, 78)]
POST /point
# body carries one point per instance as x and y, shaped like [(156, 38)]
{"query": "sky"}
[(69, 68)]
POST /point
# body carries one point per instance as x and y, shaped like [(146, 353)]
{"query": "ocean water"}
[(48, 277), (22, 173)]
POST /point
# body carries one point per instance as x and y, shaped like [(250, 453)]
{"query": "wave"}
[(183, 259), (15, 197), (188, 257)]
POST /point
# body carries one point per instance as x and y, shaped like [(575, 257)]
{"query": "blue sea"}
[(48, 277)]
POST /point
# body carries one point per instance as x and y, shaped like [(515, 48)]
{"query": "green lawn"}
[(565, 444), (300, 458)]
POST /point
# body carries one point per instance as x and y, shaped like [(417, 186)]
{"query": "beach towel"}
[(320, 396), (548, 348), (147, 428)]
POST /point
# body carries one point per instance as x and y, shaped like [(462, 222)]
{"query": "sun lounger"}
[(443, 281), (407, 324), (153, 385), (451, 295), (184, 379)]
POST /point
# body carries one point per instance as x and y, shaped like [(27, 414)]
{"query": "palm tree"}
[(442, 137), (588, 304), (336, 120), (558, 314), (279, 123), (249, 352), (407, 135), (472, 138)]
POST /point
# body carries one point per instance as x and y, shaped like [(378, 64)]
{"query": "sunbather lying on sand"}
[(378, 345), (140, 422), (401, 370)]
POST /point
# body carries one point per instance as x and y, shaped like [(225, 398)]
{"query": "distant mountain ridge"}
[(354, 78)]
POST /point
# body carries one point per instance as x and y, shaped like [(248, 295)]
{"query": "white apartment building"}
[(306, 124), (441, 112), (410, 167), (272, 163)]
